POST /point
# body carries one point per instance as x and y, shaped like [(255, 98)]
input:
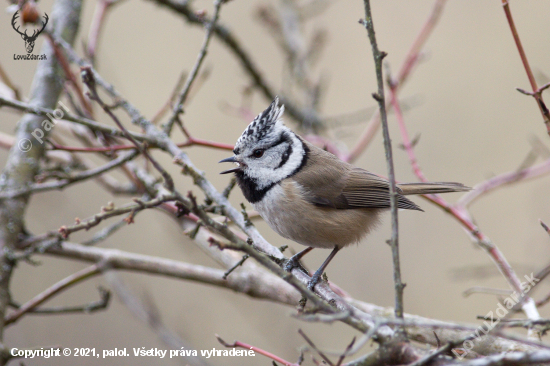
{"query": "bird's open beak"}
[(232, 159)]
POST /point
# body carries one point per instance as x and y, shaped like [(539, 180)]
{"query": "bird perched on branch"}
[(307, 194)]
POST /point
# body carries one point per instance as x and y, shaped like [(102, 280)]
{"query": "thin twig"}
[(379, 97), (79, 177), (406, 69), (88, 79), (544, 226), (403, 128), (111, 211), (166, 107), (53, 290), (536, 93), (256, 350), (64, 63), (191, 142), (6, 80), (210, 26), (238, 264), (504, 179), (98, 22), (104, 233), (460, 213), (312, 345), (93, 125), (228, 39), (101, 304)]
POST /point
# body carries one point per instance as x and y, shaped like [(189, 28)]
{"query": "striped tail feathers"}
[(432, 188)]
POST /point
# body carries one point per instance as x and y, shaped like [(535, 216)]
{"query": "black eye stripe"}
[(285, 157), (282, 139)]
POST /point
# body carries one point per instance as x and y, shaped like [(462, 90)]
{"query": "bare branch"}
[(101, 304), (53, 290), (178, 108), (79, 177), (406, 69), (537, 94), (380, 98)]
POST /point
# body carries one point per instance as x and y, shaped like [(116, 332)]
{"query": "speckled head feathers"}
[(264, 127)]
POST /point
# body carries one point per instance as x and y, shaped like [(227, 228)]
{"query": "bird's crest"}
[(263, 127)]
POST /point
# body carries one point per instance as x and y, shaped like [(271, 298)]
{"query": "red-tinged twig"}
[(194, 141), (537, 94), (406, 69), (495, 254), (256, 350), (196, 67), (503, 179), (463, 217), (6, 141), (200, 142), (404, 133), (60, 56), (460, 213), (190, 142), (98, 21), (55, 289)]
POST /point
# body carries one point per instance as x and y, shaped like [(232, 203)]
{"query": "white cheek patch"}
[(267, 172)]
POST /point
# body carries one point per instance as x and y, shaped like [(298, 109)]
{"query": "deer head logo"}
[(29, 40)]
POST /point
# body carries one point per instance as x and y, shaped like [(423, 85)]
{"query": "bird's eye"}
[(258, 153)]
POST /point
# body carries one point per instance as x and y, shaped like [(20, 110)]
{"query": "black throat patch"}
[(250, 188)]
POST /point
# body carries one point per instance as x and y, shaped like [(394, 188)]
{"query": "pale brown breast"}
[(287, 212)]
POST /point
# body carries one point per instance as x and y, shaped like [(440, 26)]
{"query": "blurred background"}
[(460, 99)]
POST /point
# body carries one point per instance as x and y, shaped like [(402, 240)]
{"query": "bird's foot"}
[(294, 262), (314, 280)]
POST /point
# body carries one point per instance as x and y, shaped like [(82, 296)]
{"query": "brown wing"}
[(329, 182), (364, 189)]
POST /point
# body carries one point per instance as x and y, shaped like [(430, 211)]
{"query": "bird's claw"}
[(294, 263)]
